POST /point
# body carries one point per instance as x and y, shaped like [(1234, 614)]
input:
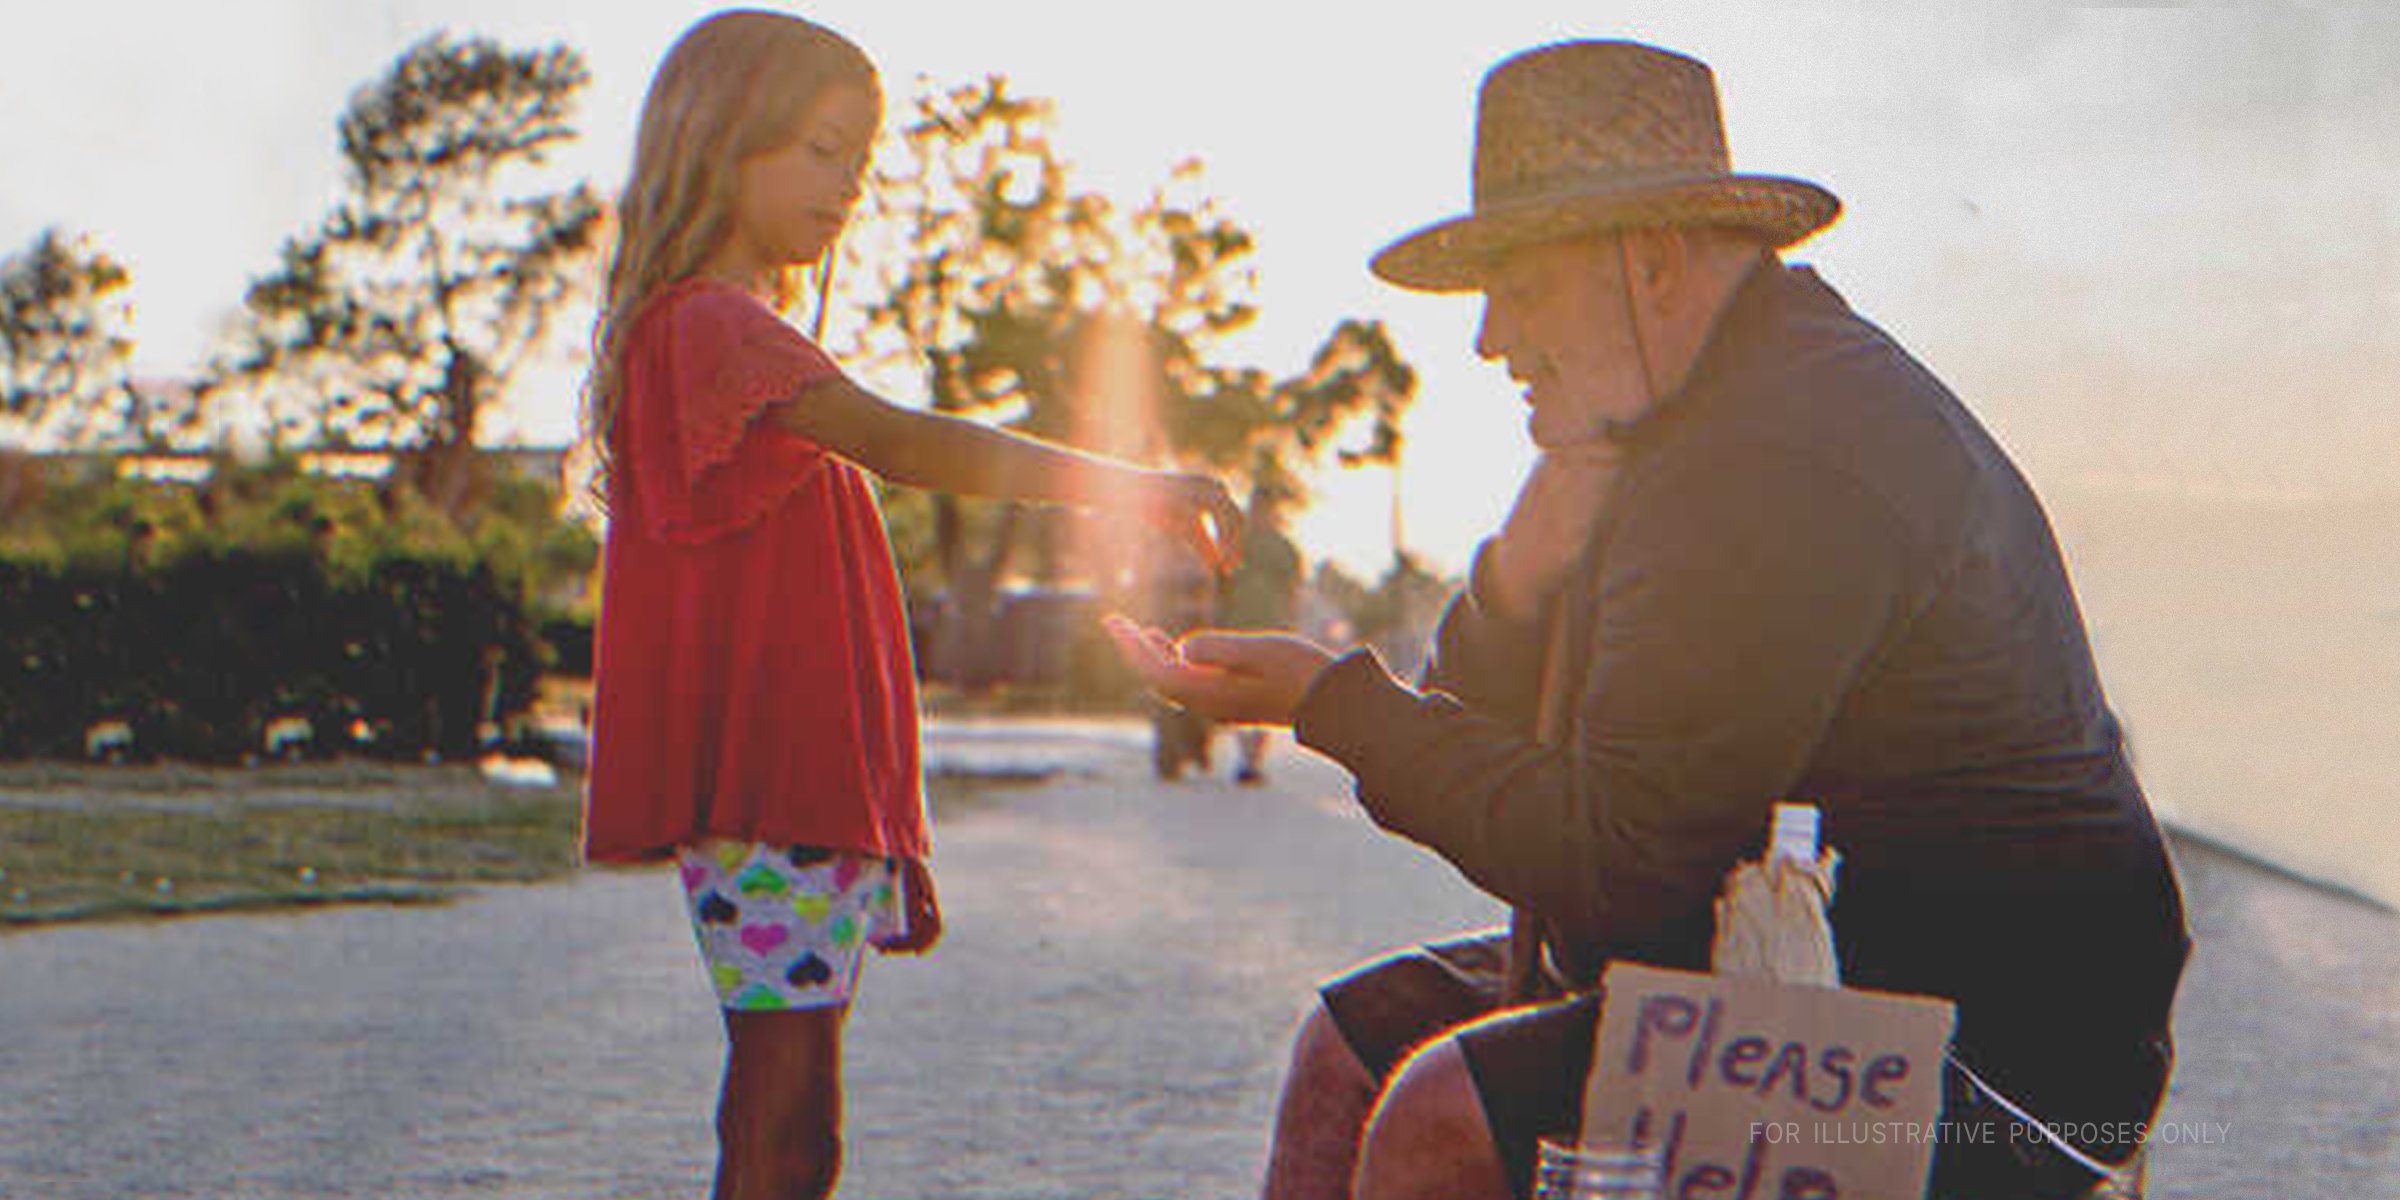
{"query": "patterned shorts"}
[(786, 927)]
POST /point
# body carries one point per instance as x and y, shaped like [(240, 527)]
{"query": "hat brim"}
[(1454, 255)]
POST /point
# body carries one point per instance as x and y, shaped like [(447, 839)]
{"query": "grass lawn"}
[(80, 843), (94, 843)]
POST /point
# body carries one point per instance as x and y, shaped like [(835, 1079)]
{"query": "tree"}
[(1051, 310), (400, 318), (1033, 305), (1276, 434), (64, 351)]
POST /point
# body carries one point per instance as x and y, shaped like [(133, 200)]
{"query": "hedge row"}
[(230, 653)]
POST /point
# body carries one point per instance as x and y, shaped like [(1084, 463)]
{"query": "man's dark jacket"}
[(1818, 579)]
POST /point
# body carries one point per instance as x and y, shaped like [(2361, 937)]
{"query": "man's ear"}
[(1659, 259)]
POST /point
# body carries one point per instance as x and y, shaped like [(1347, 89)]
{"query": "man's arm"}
[(1488, 650), (1490, 663), (1737, 605), (1492, 641)]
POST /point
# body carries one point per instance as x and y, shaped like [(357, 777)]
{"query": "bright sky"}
[(2154, 247)]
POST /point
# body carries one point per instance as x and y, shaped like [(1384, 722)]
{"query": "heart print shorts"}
[(787, 927)]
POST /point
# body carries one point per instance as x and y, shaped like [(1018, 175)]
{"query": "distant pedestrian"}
[(755, 712), (1179, 594)]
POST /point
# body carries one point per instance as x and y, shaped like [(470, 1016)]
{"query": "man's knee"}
[(1322, 1055), (1429, 1136)]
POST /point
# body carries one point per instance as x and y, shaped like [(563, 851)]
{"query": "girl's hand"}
[(1249, 678), (1197, 511), (923, 910)]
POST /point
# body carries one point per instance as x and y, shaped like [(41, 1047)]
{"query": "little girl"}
[(755, 713)]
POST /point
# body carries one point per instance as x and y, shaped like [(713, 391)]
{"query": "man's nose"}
[(1487, 334)]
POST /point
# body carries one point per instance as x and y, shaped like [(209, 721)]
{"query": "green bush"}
[(200, 619), (200, 658), (569, 639)]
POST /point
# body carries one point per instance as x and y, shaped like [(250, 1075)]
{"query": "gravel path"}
[(1106, 1019)]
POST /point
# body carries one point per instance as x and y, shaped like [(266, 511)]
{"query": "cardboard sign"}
[(1769, 1091)]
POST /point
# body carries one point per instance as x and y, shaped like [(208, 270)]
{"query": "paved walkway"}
[(1106, 1019)]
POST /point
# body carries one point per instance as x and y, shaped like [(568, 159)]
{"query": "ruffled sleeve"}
[(708, 464)]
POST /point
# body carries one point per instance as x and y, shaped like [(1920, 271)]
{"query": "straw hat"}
[(1585, 137)]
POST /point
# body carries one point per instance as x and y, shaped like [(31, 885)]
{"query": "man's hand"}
[(1554, 516), (1196, 510), (1246, 678)]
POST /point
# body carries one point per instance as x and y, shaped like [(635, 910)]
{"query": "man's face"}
[(1556, 315)]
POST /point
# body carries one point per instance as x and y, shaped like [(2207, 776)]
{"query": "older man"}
[(1763, 555)]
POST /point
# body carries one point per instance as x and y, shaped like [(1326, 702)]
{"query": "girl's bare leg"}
[(779, 1119)]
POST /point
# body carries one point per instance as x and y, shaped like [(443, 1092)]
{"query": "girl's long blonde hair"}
[(734, 85)]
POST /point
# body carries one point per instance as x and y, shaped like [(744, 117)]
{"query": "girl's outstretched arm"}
[(944, 453)]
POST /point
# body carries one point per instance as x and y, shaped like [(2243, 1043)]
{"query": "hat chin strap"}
[(1614, 428), (1611, 428)]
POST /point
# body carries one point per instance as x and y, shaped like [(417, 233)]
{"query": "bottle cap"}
[(1795, 835)]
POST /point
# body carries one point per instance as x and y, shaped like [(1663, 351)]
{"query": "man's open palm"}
[(1245, 678)]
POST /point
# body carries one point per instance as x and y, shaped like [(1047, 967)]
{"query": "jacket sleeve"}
[(1488, 662), (1734, 608)]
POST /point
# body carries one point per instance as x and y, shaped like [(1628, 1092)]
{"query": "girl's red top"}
[(753, 678)]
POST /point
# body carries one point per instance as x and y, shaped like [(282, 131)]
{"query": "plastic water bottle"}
[(1771, 915), (1795, 835), (1566, 1171)]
